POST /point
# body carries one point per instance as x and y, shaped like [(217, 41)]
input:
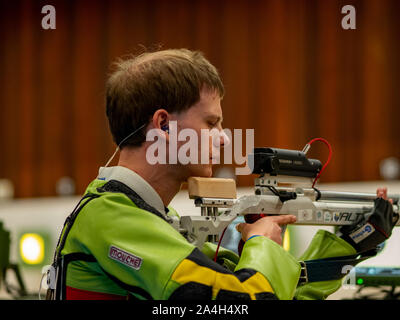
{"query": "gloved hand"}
[(366, 234)]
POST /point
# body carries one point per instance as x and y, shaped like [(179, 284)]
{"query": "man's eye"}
[(212, 124)]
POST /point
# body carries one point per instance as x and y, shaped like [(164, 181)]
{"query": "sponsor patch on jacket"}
[(125, 258), (362, 233)]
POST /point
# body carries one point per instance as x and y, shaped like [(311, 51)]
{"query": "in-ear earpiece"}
[(165, 128)]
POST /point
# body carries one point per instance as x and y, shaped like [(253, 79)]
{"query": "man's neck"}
[(156, 175)]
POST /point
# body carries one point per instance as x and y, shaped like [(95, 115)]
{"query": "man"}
[(119, 243)]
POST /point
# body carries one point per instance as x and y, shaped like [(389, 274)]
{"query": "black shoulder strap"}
[(61, 262), (70, 221), (119, 187)]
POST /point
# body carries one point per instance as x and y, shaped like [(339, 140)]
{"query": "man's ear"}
[(161, 119), (160, 122)]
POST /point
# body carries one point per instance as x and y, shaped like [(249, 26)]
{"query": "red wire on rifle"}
[(329, 156), (219, 243), (306, 148)]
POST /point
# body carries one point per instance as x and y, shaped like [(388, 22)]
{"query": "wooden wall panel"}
[(88, 83), (10, 107), (291, 73), (53, 107), (377, 64), (330, 111), (25, 103)]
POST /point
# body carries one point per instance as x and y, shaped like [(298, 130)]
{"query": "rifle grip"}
[(249, 218)]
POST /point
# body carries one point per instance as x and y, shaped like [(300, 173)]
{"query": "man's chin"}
[(204, 171)]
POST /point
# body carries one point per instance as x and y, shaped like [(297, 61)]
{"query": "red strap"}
[(78, 294)]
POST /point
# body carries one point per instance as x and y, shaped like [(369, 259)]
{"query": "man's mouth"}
[(214, 160)]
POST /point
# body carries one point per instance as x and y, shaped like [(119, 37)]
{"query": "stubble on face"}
[(205, 114)]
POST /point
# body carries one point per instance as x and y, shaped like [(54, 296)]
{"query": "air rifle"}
[(283, 186)]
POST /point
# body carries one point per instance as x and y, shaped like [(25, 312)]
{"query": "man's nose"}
[(223, 139)]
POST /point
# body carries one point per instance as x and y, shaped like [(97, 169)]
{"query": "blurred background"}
[(291, 73)]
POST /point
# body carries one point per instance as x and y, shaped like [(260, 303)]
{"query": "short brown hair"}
[(169, 79)]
